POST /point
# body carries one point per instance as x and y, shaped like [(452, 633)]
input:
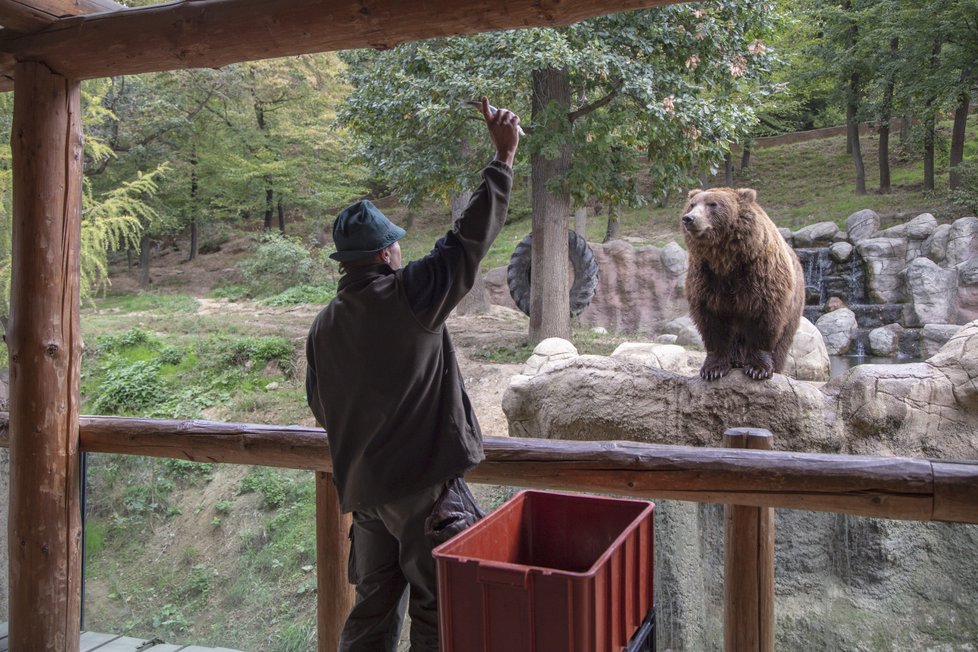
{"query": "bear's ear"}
[(692, 193), (747, 195)]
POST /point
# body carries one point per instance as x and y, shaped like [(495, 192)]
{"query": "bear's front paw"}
[(715, 367), (759, 365)]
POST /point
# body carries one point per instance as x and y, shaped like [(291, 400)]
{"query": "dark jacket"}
[(383, 377)]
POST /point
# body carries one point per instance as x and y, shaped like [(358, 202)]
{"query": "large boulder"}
[(669, 357), (935, 246), (884, 259), (933, 291), (967, 290), (684, 328), (862, 225), (820, 234), (808, 359), (933, 337), (962, 242), (885, 340), (838, 328)]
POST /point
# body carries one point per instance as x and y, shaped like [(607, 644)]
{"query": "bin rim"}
[(439, 552)]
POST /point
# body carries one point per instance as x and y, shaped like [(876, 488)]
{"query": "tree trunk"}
[(193, 198), (580, 221), (269, 208), (549, 291), (476, 302), (958, 136), (930, 123), (886, 115), (728, 170), (44, 343), (852, 131), (144, 245), (281, 216), (745, 156), (614, 224)]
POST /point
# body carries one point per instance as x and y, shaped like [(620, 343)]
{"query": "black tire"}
[(581, 259)]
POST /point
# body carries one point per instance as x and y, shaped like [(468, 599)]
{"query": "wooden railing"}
[(882, 487)]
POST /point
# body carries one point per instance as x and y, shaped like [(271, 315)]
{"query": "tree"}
[(665, 91)]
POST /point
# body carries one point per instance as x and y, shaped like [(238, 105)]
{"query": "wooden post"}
[(44, 343), (748, 582), (336, 594)]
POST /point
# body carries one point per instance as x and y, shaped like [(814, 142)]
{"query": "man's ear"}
[(746, 195)]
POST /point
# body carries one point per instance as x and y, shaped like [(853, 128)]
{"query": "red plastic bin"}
[(548, 572)]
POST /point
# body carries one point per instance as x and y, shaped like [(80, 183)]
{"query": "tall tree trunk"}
[(745, 156), (930, 124), (281, 215), (728, 170), (580, 221), (886, 116), (614, 224), (144, 245), (269, 208), (194, 180), (476, 302), (959, 134), (549, 291), (852, 131)]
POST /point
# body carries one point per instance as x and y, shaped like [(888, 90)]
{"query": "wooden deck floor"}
[(90, 641)]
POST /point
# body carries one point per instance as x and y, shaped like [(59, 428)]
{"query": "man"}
[(384, 381)]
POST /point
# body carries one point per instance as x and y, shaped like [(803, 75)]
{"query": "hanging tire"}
[(582, 262)]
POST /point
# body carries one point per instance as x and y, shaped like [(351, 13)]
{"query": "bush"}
[(257, 352), (319, 294), (129, 388), (965, 196), (278, 264), (274, 487)]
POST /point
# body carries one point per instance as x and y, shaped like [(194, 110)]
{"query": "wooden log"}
[(335, 593), (748, 556), (880, 487), (44, 344), (28, 16), (213, 33)]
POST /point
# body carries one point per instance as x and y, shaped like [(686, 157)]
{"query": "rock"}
[(673, 258), (921, 227), (968, 290), (884, 259), (885, 340), (962, 242), (670, 357), (933, 291), (666, 338), (786, 234), (272, 386), (685, 331), (834, 303), (933, 337), (958, 361), (840, 252), (498, 289), (820, 234), (599, 330), (862, 225), (639, 289), (935, 246), (837, 328), (548, 351), (808, 359)]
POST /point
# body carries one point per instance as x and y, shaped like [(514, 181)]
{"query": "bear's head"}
[(711, 214)]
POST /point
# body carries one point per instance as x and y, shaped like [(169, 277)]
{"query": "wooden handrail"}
[(882, 487)]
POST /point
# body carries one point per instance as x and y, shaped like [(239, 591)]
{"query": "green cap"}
[(360, 230)]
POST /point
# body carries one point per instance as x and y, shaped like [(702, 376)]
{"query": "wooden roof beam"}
[(32, 15), (214, 33)]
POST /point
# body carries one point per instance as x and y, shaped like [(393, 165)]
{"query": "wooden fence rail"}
[(882, 487)]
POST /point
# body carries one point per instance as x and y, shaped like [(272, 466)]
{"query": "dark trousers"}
[(389, 554)]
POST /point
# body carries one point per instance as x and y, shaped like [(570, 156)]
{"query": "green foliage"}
[(256, 352), (156, 302), (277, 264), (186, 472), (965, 197), (231, 292), (300, 294), (170, 619), (129, 388), (273, 485)]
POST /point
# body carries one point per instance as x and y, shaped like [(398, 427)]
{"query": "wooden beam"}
[(32, 15), (883, 487), (44, 344), (334, 593), (748, 562), (214, 33)]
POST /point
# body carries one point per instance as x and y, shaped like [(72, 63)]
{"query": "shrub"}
[(278, 264), (258, 352), (295, 295), (130, 387), (274, 487)]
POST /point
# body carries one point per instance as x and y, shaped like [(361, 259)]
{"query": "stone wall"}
[(842, 582)]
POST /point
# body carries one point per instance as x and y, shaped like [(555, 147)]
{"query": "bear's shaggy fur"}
[(744, 284)]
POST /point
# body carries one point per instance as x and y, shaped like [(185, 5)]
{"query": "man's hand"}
[(504, 131)]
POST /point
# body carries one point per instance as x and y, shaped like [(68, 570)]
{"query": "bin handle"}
[(519, 578)]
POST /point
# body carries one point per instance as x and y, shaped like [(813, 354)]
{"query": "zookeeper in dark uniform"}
[(384, 381)]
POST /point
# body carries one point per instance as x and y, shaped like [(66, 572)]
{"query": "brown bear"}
[(744, 284)]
